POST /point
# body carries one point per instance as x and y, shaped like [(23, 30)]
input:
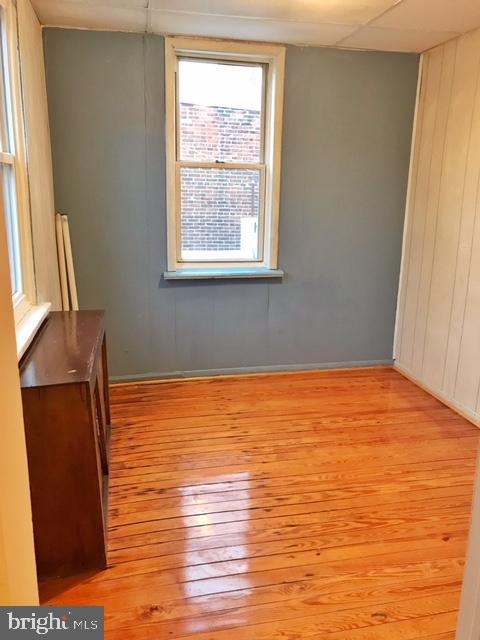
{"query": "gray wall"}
[(347, 130)]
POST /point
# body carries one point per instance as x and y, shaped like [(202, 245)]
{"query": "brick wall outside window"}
[(214, 201)]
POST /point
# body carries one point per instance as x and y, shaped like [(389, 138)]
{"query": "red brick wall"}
[(215, 200)]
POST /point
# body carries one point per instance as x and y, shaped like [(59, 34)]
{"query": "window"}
[(14, 187), (224, 114)]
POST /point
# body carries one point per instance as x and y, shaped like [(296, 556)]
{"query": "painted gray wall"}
[(346, 142)]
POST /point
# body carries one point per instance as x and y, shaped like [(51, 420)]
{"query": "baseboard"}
[(236, 371), (451, 403)]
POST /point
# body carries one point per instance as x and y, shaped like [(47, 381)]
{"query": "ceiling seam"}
[(334, 34), (369, 22), (258, 18)]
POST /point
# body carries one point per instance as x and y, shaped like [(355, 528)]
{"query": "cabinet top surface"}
[(65, 349)]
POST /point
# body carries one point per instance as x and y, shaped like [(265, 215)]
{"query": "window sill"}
[(29, 325), (222, 274)]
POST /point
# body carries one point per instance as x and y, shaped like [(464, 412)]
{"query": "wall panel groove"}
[(442, 103), (438, 341), (411, 193)]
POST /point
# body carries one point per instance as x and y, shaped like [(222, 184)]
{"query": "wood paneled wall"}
[(438, 322)]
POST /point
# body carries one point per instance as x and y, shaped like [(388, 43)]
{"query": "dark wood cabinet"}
[(64, 379)]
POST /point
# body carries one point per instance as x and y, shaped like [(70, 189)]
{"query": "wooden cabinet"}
[(64, 379)]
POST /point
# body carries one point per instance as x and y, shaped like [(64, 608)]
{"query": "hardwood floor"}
[(325, 505)]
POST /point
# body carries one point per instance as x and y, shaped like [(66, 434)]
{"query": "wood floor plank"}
[(143, 456), (177, 618), (214, 500), (294, 537), (318, 501), (334, 576), (331, 625), (330, 504), (338, 523), (228, 559), (335, 459), (325, 480)]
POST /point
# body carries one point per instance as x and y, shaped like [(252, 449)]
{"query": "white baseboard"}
[(465, 412)]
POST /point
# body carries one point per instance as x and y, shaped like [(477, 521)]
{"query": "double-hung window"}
[(223, 124), (14, 186)]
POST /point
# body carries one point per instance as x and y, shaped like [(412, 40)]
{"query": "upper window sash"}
[(271, 58), (263, 68)]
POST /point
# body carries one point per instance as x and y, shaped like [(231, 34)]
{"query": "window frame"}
[(28, 313), (272, 57), (24, 299)]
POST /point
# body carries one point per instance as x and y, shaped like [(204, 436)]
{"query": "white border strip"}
[(28, 326)]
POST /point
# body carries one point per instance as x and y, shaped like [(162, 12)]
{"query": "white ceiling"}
[(386, 25)]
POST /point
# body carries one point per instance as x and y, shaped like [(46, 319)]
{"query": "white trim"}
[(38, 154), (217, 273), (20, 160), (26, 329), (26, 298), (170, 142), (62, 264), (191, 164), (21, 305), (7, 158), (408, 210), (459, 408), (72, 285), (273, 56)]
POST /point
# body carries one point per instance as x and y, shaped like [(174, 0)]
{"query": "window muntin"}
[(223, 138)]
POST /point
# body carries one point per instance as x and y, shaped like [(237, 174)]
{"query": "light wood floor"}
[(330, 505)]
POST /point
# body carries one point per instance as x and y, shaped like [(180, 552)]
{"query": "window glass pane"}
[(220, 212), (220, 107), (13, 232), (4, 133)]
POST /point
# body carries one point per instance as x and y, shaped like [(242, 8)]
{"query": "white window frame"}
[(273, 57), (28, 314)]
